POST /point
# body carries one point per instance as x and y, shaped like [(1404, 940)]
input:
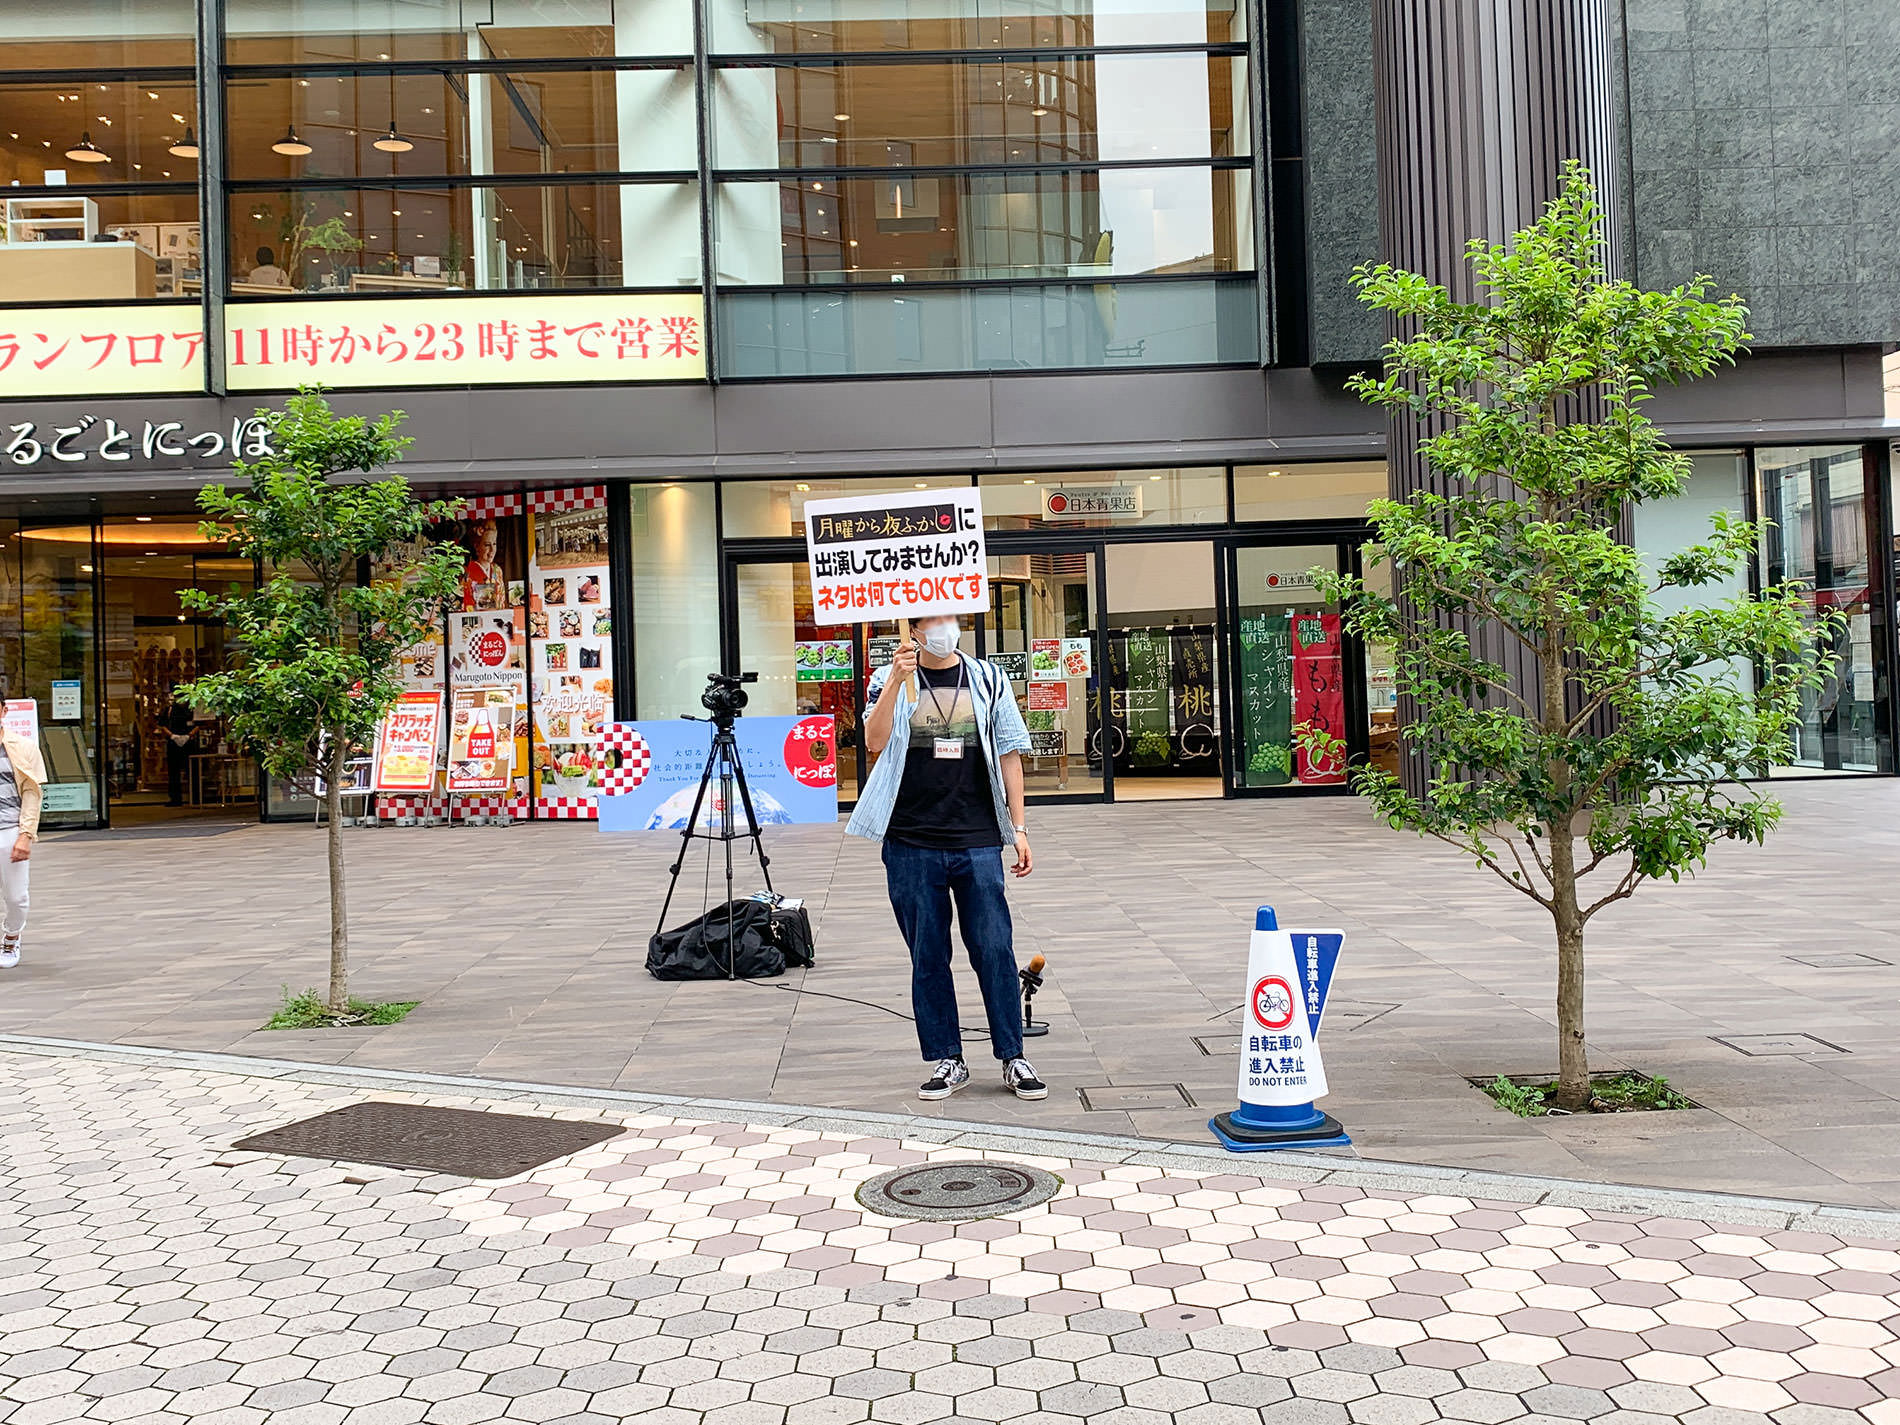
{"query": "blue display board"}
[(791, 767)]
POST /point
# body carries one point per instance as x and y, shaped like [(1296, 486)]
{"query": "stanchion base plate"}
[(1240, 1138)]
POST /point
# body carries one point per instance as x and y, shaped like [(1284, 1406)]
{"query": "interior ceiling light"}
[(290, 145), (841, 118), (187, 147), (85, 151), (393, 142)]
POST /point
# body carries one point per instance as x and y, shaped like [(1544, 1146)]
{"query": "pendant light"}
[(85, 151), (393, 142), (187, 147), (290, 145)]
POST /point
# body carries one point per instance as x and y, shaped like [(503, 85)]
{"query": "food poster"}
[(825, 660), (1191, 691), (406, 742), (570, 635), (481, 739), (487, 649), (424, 664), (1266, 698), (1075, 657), (1048, 697), (1319, 694), (1045, 659)]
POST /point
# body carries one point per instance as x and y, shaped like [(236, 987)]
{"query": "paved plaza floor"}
[(716, 1268), (1765, 988)]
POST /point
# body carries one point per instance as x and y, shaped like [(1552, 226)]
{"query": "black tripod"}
[(724, 762)]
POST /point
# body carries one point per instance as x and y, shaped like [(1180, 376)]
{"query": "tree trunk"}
[(1573, 1064), (339, 905)]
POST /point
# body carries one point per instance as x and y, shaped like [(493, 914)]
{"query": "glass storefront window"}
[(559, 237), (1056, 110), (1816, 527), (675, 628), (965, 227), (1040, 630), (763, 509), (109, 35), (64, 240), (521, 121), (1077, 326), (55, 571), (1335, 490), (369, 31), (828, 26), (1105, 499)]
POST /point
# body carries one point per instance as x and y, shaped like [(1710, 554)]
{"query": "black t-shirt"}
[(945, 802)]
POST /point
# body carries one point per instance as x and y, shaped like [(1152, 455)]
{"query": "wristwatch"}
[(1020, 830)]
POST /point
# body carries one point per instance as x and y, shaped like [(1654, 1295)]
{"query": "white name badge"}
[(949, 747)]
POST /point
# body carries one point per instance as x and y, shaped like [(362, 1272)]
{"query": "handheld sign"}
[(1281, 1072), (900, 557)]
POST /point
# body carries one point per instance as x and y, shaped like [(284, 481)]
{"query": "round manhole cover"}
[(955, 1192)]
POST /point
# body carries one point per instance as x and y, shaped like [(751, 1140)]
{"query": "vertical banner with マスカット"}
[(896, 556), (651, 770)]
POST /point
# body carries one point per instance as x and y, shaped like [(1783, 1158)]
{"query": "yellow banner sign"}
[(101, 351), (465, 341)]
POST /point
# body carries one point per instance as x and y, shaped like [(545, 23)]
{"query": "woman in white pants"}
[(22, 789)]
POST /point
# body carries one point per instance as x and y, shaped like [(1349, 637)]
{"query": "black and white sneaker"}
[(1019, 1077), (951, 1075)]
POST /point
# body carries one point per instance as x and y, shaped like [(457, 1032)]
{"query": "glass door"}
[(804, 668), (1292, 668), (1041, 629), (1164, 693)]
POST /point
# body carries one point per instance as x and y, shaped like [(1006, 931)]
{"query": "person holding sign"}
[(945, 797)]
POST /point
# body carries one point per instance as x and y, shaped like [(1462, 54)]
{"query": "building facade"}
[(645, 275)]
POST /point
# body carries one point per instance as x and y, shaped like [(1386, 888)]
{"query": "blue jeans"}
[(923, 881)]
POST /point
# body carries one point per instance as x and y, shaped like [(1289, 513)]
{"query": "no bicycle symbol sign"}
[(1273, 1003)]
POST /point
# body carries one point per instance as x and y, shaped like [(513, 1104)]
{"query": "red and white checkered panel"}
[(492, 506), (636, 759), (569, 497), (392, 808), (566, 808)]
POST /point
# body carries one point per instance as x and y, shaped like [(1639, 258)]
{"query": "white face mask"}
[(940, 639)]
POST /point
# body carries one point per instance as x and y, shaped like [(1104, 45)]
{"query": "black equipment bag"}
[(791, 933), (737, 935)]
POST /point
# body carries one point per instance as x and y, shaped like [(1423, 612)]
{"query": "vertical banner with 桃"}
[(1192, 692), (1319, 695), (892, 556), (570, 626), (1266, 699)]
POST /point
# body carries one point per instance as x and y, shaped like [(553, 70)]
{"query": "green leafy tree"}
[(321, 660), (1624, 759)]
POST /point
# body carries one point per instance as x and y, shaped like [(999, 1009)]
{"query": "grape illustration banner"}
[(652, 776)]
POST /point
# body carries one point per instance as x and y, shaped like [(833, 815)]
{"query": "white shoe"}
[(1019, 1077), (9, 952), (950, 1075)]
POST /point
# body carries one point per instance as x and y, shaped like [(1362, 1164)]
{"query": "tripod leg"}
[(686, 836), (751, 820), (732, 950)]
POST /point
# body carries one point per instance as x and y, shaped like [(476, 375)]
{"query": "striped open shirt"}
[(1000, 729)]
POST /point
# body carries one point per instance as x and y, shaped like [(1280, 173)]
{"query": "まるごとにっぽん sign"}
[(875, 557)]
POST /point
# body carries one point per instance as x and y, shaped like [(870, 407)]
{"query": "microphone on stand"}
[(1031, 977)]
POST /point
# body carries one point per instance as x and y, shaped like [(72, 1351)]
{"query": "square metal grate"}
[(1758, 1046), (1109, 1096), (461, 1141)]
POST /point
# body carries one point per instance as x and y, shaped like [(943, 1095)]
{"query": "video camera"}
[(725, 696)]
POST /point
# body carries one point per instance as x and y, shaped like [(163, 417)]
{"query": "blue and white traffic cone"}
[(1281, 1072)]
